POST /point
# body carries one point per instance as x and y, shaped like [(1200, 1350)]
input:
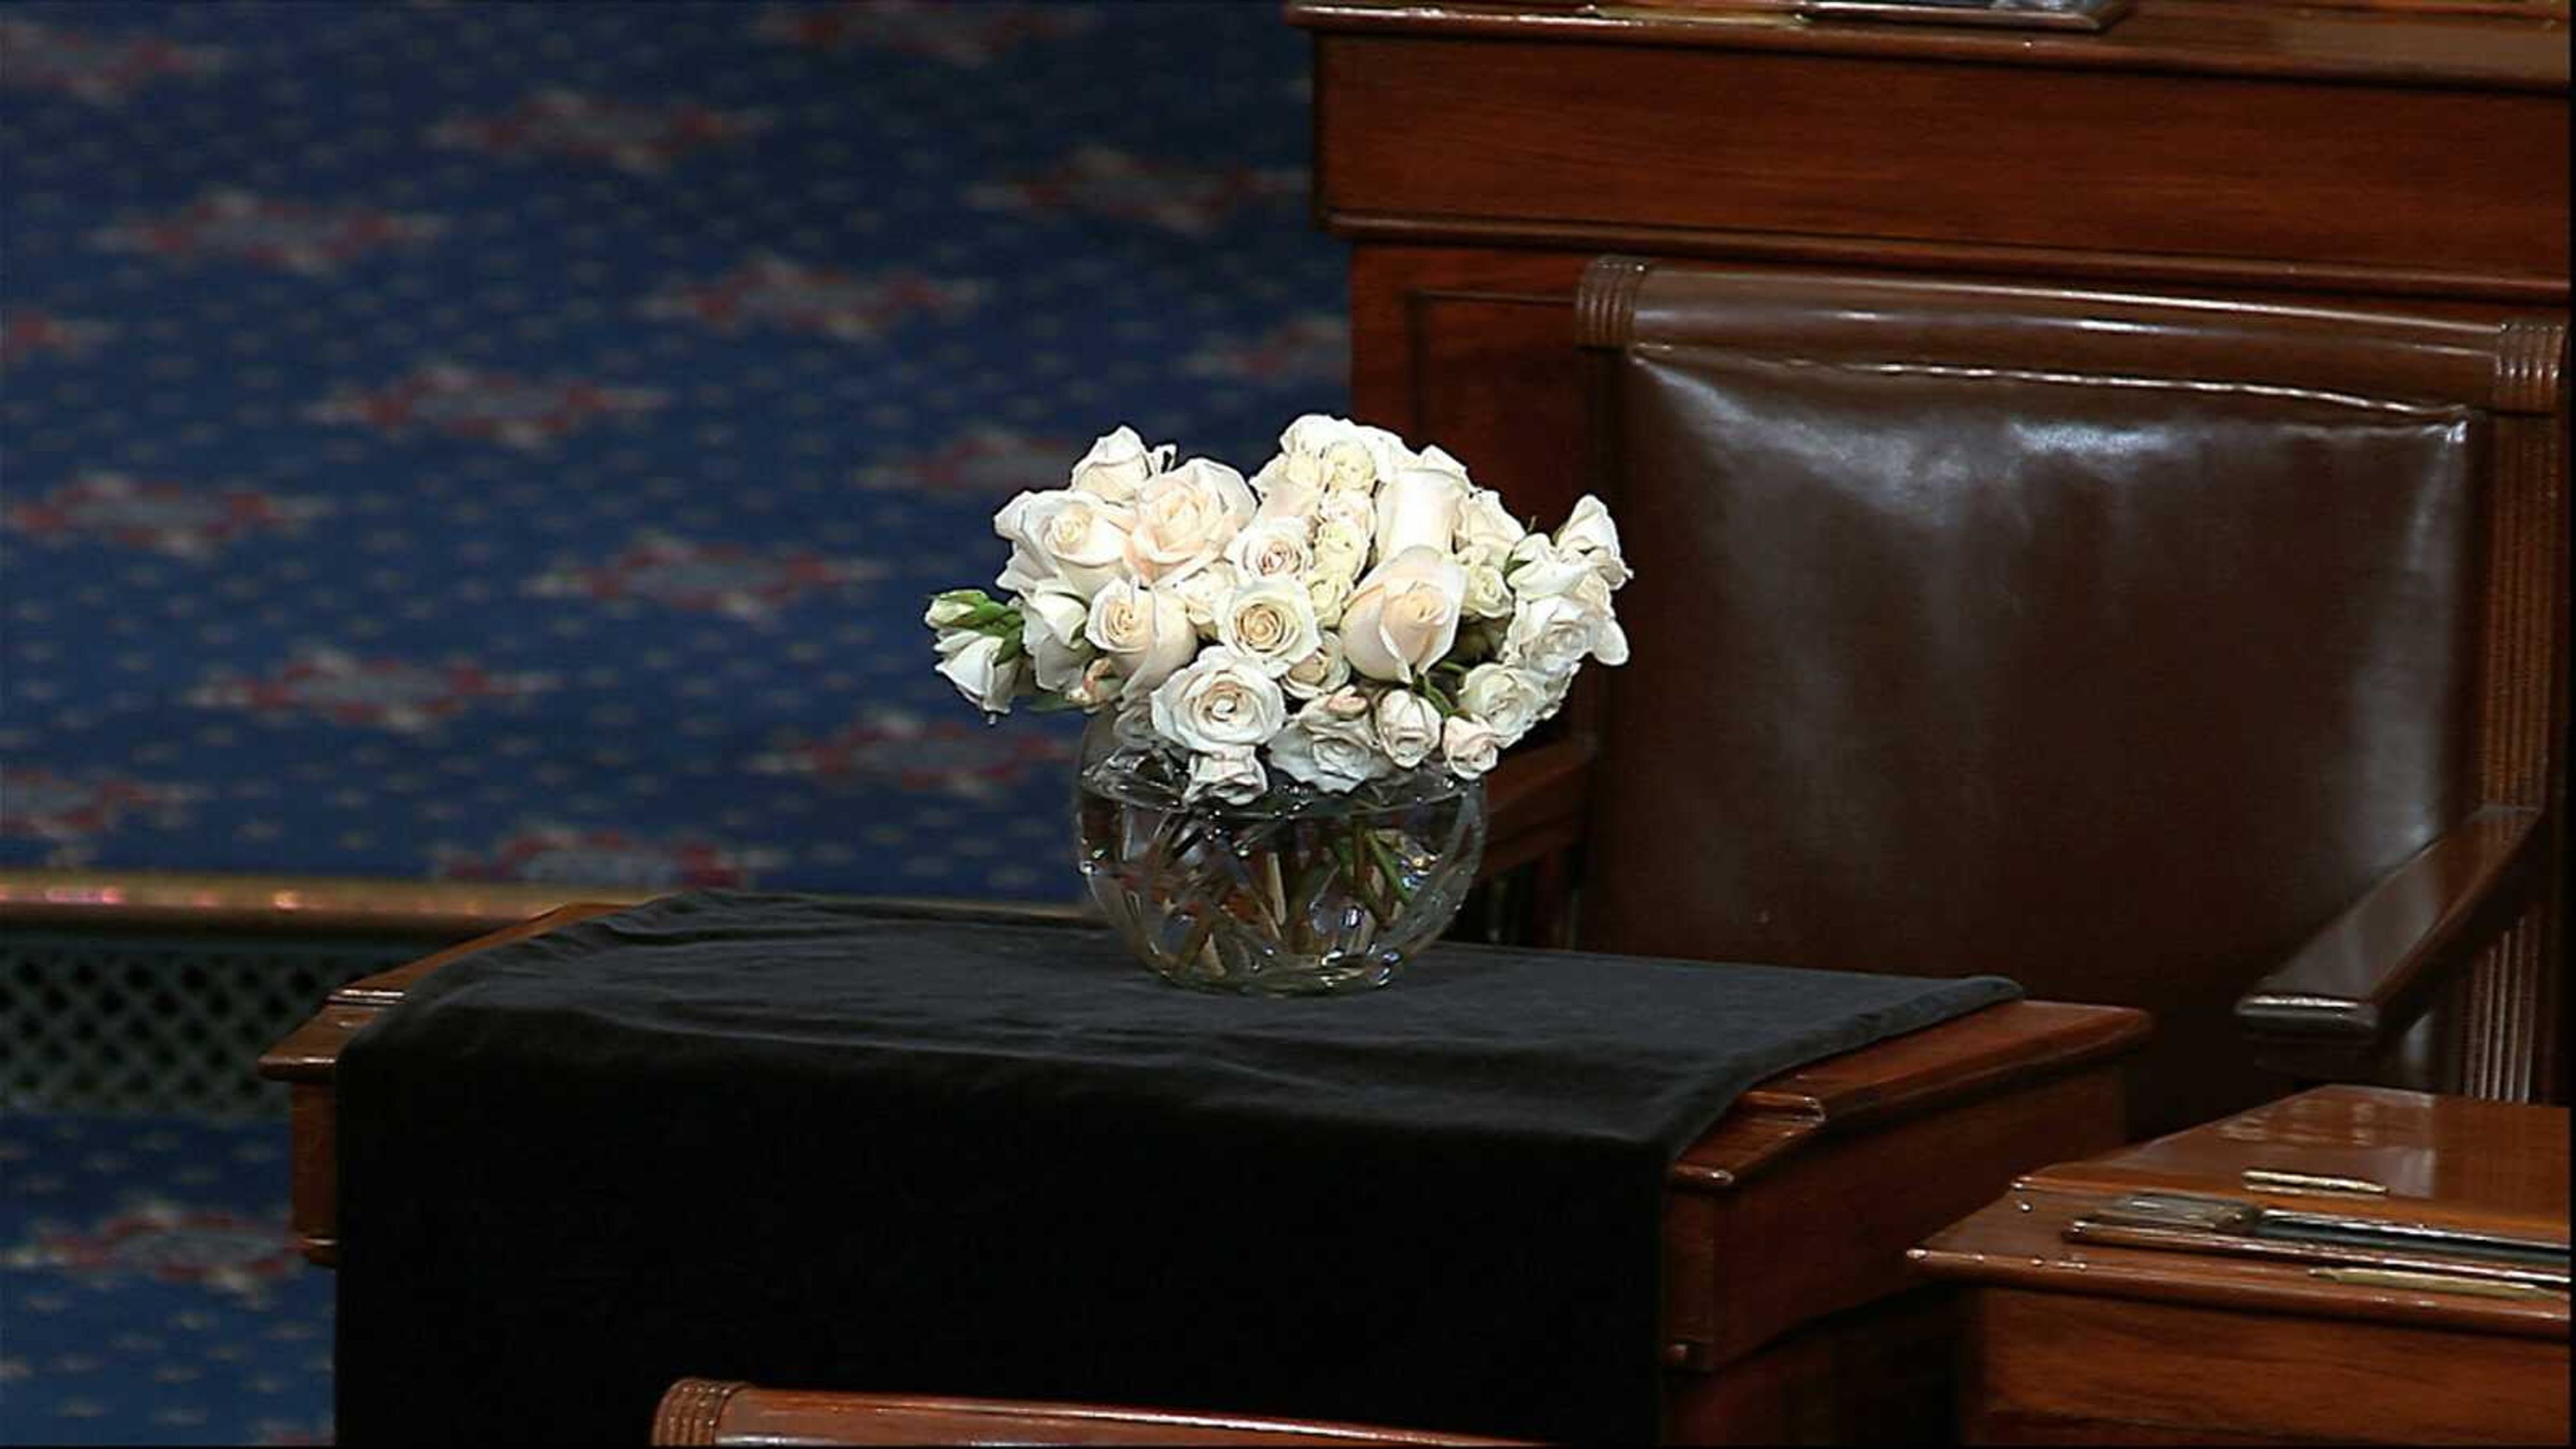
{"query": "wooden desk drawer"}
[(1672, 148)]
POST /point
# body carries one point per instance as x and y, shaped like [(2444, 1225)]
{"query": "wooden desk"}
[(1785, 1227), (2080, 1343)]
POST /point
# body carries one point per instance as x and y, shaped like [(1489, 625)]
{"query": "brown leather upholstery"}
[(2112, 644)]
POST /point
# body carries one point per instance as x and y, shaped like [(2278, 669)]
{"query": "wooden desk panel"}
[(1785, 1226), (1640, 147)]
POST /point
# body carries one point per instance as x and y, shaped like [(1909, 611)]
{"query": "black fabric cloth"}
[(778, 1139)]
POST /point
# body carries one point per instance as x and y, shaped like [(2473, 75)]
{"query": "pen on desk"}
[(2434, 1282), (2266, 1179)]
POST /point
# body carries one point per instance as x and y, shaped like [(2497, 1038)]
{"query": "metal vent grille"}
[(161, 1024)]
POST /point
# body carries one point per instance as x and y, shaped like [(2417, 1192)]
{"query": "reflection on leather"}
[(2114, 684)]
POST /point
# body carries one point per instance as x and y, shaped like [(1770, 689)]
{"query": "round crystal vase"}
[(1300, 892)]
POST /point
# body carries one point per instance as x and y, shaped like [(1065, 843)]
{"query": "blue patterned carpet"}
[(512, 441), (148, 1293)]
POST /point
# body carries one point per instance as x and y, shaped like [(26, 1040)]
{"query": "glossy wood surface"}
[(85, 900), (1794, 1211), (2506, 46), (705, 1411), (2020, 1242), (2382, 956), (2087, 1342), (1709, 145), (2062, 1370), (2448, 1159)]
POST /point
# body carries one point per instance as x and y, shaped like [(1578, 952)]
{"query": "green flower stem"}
[(1388, 866), (1311, 885), (1351, 862)]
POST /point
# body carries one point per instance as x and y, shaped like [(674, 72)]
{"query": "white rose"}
[(1302, 471), (1286, 489), (1358, 512), (1484, 523), (1321, 672), (1590, 536), (1550, 634), (1223, 700), (1345, 525), (1145, 632), (1437, 459), (1405, 615), (1419, 509), (1062, 536), (1509, 700), (1272, 623), (1329, 744), (1611, 643), (1233, 775), (1488, 596), (1051, 630), (1204, 592), (1271, 548), (974, 663), (1118, 464), (1352, 457), (1185, 518), (1468, 746), (1339, 551), (1347, 707), (1408, 727), (1539, 569), (947, 610), (1330, 594)]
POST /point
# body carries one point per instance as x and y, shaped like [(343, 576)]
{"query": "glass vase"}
[(1300, 892)]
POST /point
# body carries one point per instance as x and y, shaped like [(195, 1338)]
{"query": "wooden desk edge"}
[(311, 1052), (2230, 1284)]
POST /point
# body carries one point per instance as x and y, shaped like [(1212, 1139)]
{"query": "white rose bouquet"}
[(1299, 675), (1354, 611)]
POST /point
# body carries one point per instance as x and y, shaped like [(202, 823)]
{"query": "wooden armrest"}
[(2360, 982), (704, 1411)]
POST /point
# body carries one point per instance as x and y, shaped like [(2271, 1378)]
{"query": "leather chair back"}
[(2111, 643)]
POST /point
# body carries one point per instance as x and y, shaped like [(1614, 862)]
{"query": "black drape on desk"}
[(777, 1139)]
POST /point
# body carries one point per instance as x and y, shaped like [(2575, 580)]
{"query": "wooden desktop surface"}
[(1785, 1228), (2084, 1342)]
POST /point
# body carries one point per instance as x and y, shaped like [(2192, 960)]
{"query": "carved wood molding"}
[(1605, 305), (690, 1410), (2530, 359), (2527, 606), (1878, 253)]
